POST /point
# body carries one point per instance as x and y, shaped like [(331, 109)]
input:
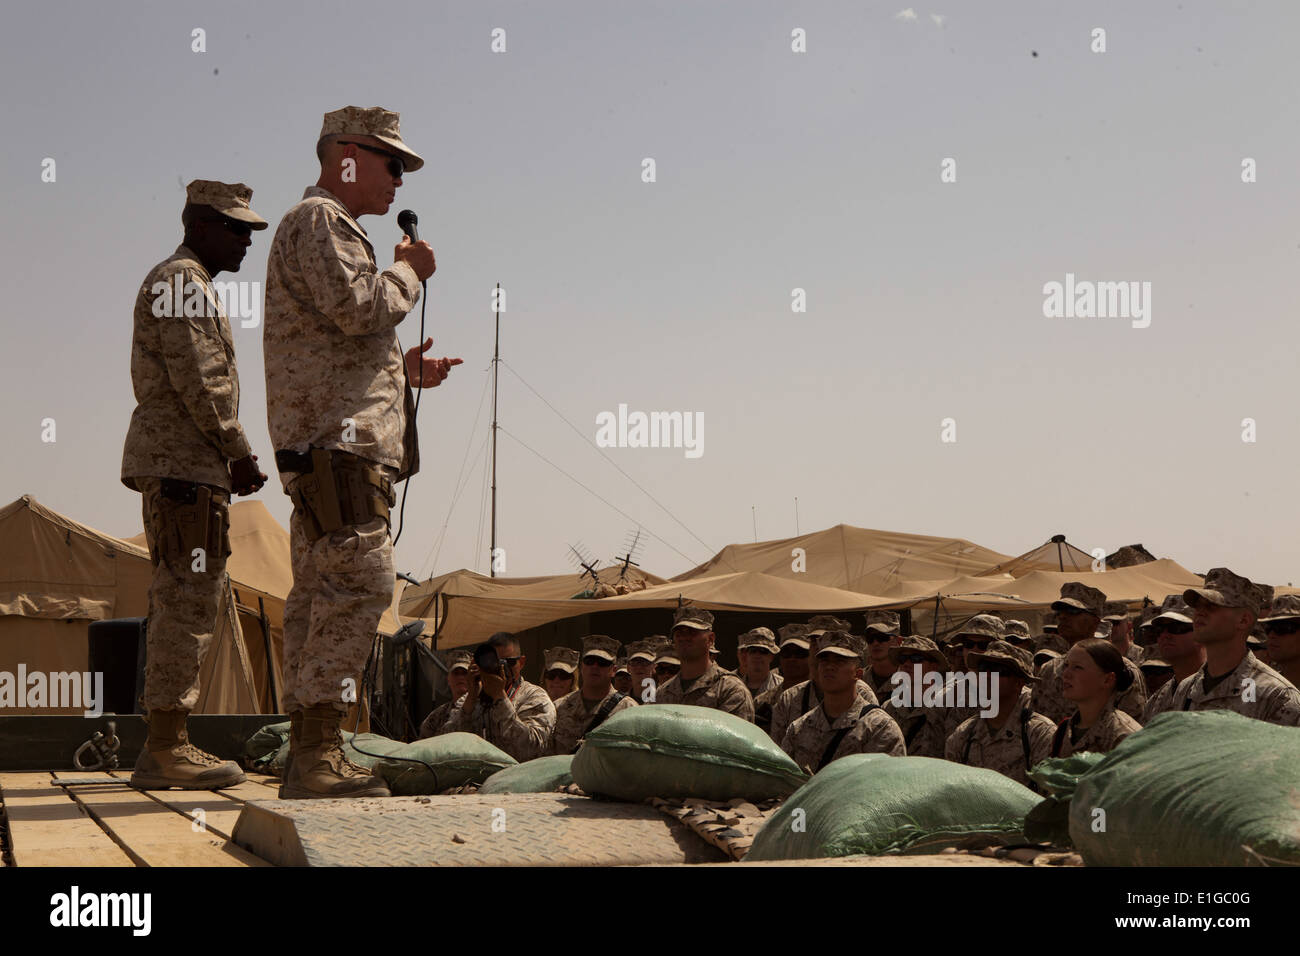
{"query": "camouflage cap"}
[(794, 634), (600, 645), (841, 643), (1114, 611), (229, 199), (1044, 654), (620, 666), (759, 637), (374, 121), (1284, 608), (886, 622), (1017, 658), (646, 649), (1016, 629), (982, 625), (1053, 642), (459, 660), (667, 654), (916, 644), (1226, 589), (1077, 596), (1103, 629), (1173, 608), (822, 623), (560, 659), (693, 617), (1155, 664)]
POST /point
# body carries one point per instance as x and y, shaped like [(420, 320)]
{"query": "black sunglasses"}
[(971, 643), (666, 669), (600, 661), (240, 229), (558, 675), (1173, 627), (912, 658), (875, 637), (396, 165), (1283, 628), (797, 653)]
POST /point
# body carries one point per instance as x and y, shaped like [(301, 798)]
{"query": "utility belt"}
[(196, 516), (336, 489)]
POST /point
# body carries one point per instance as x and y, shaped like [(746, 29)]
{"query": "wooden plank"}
[(155, 832), (48, 828)]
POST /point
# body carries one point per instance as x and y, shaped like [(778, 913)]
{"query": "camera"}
[(488, 661)]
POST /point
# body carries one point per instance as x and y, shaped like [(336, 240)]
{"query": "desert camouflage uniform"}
[(1161, 701), (521, 723), (925, 729), (1136, 653), (714, 688), (433, 724), (185, 426), (771, 686), (573, 715), (1002, 750), (1277, 700), (872, 732), (1051, 703), (793, 702), (880, 686), (332, 353), (1102, 737)]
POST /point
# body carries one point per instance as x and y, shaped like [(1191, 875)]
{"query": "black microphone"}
[(408, 220)]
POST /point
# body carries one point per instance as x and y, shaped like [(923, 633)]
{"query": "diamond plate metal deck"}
[(531, 829)]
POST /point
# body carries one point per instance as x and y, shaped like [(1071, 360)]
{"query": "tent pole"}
[(496, 371), (270, 661)]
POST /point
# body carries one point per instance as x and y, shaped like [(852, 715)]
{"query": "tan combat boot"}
[(170, 760), (319, 767), (295, 732)]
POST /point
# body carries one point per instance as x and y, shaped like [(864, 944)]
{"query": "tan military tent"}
[(57, 576), (1055, 554)]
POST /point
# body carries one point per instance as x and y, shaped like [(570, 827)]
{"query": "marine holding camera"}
[(500, 706)]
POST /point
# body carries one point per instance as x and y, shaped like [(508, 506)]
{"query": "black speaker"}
[(117, 650)]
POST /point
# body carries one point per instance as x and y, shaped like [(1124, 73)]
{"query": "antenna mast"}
[(496, 370)]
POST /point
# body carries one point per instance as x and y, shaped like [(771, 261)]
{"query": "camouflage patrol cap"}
[(229, 199), (795, 635), (842, 644), (1016, 629), (1053, 642), (1114, 611), (560, 659), (600, 645), (1173, 608), (647, 648), (759, 637), (1155, 664), (459, 660), (1103, 629), (1017, 658), (1285, 607), (886, 622), (374, 121), (1043, 655), (982, 625), (1077, 596), (693, 617), (1225, 589), (667, 654), (1049, 622), (822, 623), (916, 644), (620, 666)]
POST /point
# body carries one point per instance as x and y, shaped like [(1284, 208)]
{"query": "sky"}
[(774, 171)]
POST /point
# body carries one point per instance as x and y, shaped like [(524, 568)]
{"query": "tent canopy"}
[(1055, 554), (853, 559)]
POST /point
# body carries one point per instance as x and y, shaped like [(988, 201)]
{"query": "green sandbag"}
[(1211, 788), (456, 758), (1049, 822), (268, 749), (543, 775), (678, 750), (877, 804)]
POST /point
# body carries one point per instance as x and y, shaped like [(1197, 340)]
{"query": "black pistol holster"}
[(337, 489)]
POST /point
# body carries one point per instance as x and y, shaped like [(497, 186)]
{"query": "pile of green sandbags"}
[(1210, 788), (543, 775), (268, 749), (877, 804), (456, 759), (678, 750), (1057, 778)]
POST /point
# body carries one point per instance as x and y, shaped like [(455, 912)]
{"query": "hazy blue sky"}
[(775, 171)]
